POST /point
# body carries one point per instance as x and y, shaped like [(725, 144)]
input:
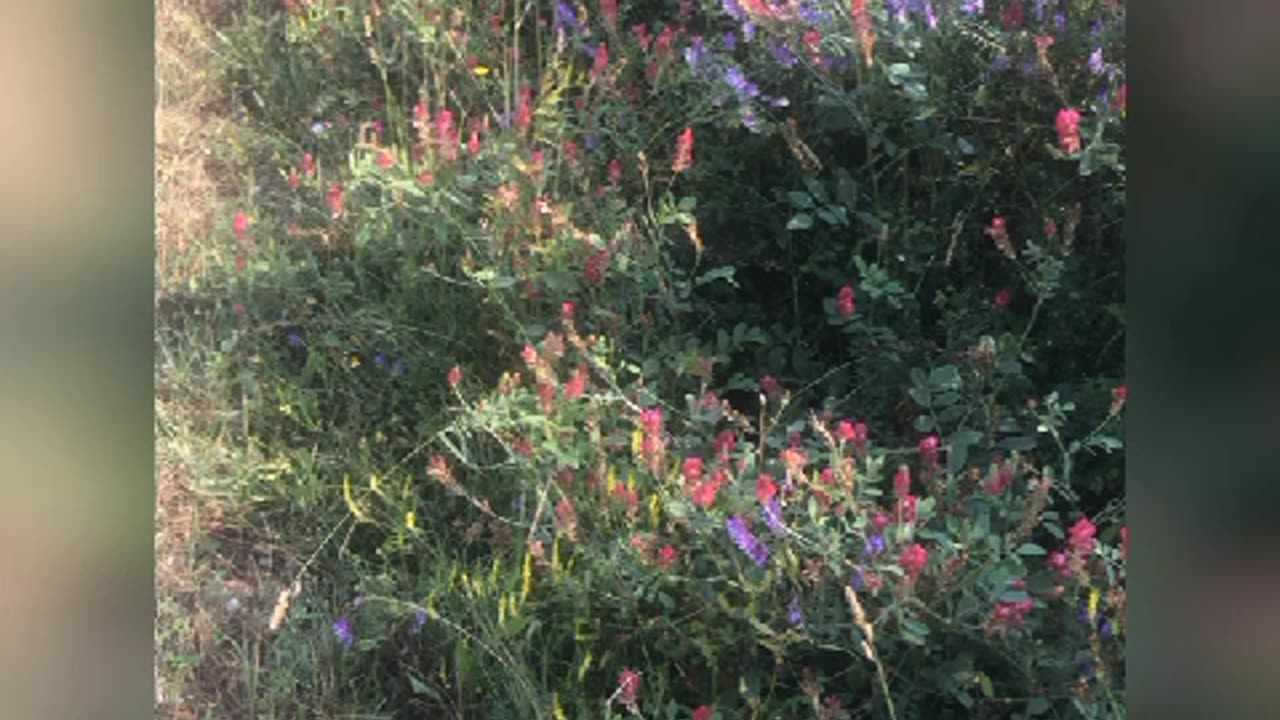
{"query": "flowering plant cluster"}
[(704, 359)]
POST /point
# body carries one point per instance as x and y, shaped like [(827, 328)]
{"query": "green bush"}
[(570, 338)]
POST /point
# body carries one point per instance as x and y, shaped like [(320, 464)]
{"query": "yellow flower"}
[(355, 361), (611, 481), (631, 481), (480, 70), (557, 710), (411, 520), (1094, 596), (350, 499), (655, 510), (527, 576), (375, 483), (637, 442)]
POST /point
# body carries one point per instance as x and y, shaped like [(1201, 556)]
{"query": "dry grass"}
[(193, 121), (215, 581)]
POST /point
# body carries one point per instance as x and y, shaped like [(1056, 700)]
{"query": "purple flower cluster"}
[(419, 619), (772, 513), (746, 542)]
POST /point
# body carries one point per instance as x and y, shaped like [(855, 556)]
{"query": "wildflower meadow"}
[(663, 359)]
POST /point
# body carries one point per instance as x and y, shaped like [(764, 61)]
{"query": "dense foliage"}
[(698, 359)]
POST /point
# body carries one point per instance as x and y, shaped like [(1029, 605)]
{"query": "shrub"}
[(738, 355)]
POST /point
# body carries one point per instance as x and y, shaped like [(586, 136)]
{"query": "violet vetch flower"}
[(795, 615), (745, 89), (772, 513), (783, 55), (695, 53), (1038, 8), (1060, 21), (750, 121), (566, 16), (1105, 629), (380, 360), (1083, 615), (419, 619), (342, 631), (504, 120), (973, 7), (1001, 63), (734, 9), (748, 31), (874, 546), (857, 581), (897, 9), (1095, 61), (746, 542), (592, 143), (294, 339), (930, 16), (730, 41)]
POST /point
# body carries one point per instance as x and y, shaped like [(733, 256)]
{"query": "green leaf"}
[(1038, 706), (915, 631), (724, 272), (924, 423), (800, 199), (801, 221), (984, 682), (687, 203), (1031, 549), (946, 376)]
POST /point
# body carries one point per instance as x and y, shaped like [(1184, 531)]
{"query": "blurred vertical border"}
[(1204, 358), (76, 375)]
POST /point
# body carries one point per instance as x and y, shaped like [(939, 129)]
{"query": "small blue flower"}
[(734, 9), (1001, 63), (748, 31), (1060, 21), (419, 619), (1105, 629), (1038, 8), (858, 581), (1083, 615), (1086, 670), (973, 7), (730, 41), (342, 630), (593, 142), (380, 360), (795, 615), (750, 121), (897, 9), (295, 340)]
